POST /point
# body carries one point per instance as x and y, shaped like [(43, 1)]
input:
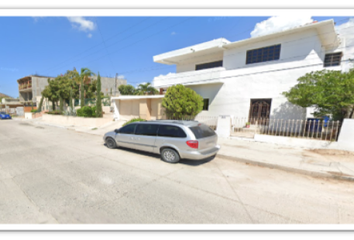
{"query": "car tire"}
[(170, 155), (111, 143)]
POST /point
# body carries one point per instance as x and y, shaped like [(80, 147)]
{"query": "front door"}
[(259, 110)]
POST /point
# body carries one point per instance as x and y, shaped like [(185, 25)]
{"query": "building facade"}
[(31, 87), (246, 78)]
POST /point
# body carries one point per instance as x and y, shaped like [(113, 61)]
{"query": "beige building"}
[(146, 106)]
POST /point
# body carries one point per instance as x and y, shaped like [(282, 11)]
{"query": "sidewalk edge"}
[(287, 169)]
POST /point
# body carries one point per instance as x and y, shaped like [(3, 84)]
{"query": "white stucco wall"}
[(301, 53), (190, 64)]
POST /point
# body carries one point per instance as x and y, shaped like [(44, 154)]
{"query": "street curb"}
[(288, 169)]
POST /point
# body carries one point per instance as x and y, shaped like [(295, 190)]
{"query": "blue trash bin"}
[(313, 125)]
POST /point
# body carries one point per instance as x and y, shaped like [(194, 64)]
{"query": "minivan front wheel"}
[(111, 143), (169, 155)]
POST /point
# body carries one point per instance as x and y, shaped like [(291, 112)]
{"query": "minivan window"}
[(171, 131), (202, 131), (147, 129), (129, 129)]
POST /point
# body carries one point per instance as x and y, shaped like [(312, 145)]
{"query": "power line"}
[(104, 44), (210, 54), (143, 39), (109, 45)]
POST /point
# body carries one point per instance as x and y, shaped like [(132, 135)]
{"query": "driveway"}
[(54, 175)]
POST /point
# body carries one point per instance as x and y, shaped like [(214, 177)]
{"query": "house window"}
[(332, 59), (263, 54), (206, 104), (208, 65)]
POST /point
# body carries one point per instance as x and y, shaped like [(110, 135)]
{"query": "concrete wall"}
[(149, 109), (38, 85), (191, 63), (128, 109), (346, 135), (75, 121), (111, 83), (300, 53)]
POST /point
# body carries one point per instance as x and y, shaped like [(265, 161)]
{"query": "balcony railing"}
[(25, 86)]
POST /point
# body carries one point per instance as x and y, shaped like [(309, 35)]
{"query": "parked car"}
[(174, 140), (4, 115)]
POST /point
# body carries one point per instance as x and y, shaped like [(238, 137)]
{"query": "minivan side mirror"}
[(116, 130)]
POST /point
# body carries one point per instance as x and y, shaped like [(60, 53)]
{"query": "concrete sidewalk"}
[(325, 163)]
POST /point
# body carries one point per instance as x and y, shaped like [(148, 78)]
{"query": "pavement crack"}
[(238, 197)]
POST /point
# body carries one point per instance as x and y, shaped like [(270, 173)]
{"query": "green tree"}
[(181, 102), (51, 91), (85, 75), (39, 109), (126, 89), (98, 99), (330, 92), (71, 101), (146, 89)]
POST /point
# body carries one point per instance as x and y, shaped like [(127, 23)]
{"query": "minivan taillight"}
[(192, 143)]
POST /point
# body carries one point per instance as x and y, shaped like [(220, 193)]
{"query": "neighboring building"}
[(246, 78), (31, 87), (9, 104)]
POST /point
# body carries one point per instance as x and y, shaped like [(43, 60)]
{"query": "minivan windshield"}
[(202, 131)]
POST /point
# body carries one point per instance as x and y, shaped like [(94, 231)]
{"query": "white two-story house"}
[(246, 78)]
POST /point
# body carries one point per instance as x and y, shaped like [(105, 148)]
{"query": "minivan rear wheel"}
[(111, 143), (170, 155)]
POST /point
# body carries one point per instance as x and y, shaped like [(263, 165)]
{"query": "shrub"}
[(134, 120), (181, 102), (86, 111), (34, 110), (55, 112)]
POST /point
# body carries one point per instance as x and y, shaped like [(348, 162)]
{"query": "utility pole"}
[(115, 85)]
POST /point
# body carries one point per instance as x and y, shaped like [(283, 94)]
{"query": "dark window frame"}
[(205, 107), (332, 59), (264, 54), (158, 132), (208, 65)]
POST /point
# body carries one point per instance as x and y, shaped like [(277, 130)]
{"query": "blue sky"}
[(125, 45)]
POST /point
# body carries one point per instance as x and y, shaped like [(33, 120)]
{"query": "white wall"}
[(301, 53), (189, 65)]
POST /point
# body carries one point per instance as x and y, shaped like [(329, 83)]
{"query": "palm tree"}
[(146, 89), (81, 79)]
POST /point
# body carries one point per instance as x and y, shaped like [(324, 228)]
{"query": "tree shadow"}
[(288, 110)]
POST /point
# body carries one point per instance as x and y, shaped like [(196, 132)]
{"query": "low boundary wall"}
[(75, 121)]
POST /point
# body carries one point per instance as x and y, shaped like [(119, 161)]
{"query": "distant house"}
[(246, 78), (31, 87)]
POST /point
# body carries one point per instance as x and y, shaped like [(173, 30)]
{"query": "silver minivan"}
[(172, 139)]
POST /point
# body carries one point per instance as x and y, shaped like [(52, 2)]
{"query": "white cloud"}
[(81, 23), (121, 77), (278, 24), (9, 69), (173, 33), (346, 27), (36, 19), (89, 35)]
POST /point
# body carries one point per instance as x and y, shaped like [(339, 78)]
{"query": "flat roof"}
[(325, 30), (30, 76), (210, 46), (133, 97)]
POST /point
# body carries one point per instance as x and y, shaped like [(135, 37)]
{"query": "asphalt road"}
[(54, 175)]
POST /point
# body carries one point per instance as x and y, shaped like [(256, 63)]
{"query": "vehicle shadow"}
[(157, 156)]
